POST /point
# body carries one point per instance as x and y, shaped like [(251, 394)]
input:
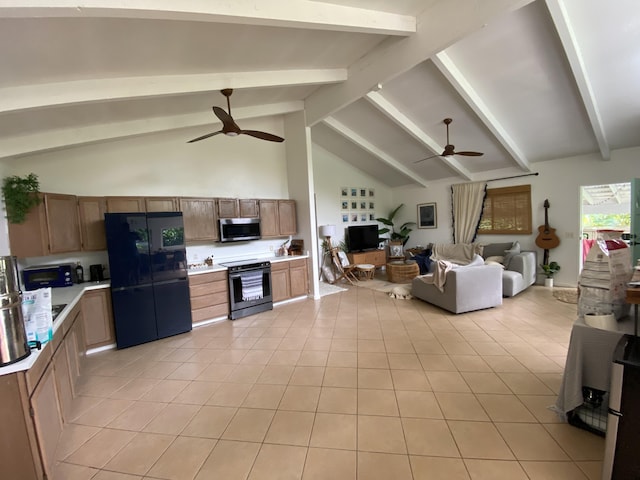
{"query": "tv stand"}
[(373, 257)]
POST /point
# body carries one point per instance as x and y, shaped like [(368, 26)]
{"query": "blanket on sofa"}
[(458, 253), (439, 275)]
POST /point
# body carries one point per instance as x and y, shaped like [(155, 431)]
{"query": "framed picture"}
[(396, 249), (363, 192), (372, 192), (345, 218), (345, 205), (354, 205), (363, 205), (354, 192), (427, 215), (372, 217), (354, 217), (372, 205), (363, 217), (344, 192)]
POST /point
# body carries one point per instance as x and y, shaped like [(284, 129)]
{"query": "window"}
[(507, 211)]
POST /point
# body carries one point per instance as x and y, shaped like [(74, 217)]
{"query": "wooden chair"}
[(344, 269)]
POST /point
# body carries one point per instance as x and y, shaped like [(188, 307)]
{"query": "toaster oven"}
[(42, 276)]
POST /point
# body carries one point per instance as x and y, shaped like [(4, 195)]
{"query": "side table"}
[(366, 271), (401, 272)]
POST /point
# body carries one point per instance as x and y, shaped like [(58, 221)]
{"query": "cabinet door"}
[(248, 208), (62, 378), (92, 234), (199, 216), (269, 218), (98, 319), (299, 279), (125, 204), (287, 217), (227, 207), (63, 224), (161, 204), (47, 418), (30, 238), (280, 286)]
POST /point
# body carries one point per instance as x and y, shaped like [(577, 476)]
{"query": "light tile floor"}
[(353, 386)]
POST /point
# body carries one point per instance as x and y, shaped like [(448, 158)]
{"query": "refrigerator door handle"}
[(134, 288), (173, 280)]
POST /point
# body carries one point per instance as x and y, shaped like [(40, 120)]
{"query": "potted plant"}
[(549, 270), (20, 195), (402, 234)]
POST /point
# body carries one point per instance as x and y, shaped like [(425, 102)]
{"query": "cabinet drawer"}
[(207, 289), (298, 263), (209, 312), (209, 300), (279, 266), (207, 277)]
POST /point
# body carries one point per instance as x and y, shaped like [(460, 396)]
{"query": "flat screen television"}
[(362, 237)]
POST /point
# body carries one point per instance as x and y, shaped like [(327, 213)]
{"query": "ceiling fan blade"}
[(262, 135), (204, 136), (469, 154), (222, 115), (422, 160)]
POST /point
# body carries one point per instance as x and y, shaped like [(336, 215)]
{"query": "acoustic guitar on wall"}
[(547, 238)]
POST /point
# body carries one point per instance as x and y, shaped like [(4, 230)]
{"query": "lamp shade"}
[(327, 230)]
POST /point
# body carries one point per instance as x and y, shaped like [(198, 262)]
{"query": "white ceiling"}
[(523, 81)]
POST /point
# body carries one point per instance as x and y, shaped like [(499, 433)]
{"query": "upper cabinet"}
[(125, 204), (161, 204), (237, 208), (200, 221), (91, 211), (278, 218), (51, 227)]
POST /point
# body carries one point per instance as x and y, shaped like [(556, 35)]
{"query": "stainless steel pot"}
[(13, 337)]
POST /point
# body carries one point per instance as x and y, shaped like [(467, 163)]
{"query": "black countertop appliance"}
[(149, 284)]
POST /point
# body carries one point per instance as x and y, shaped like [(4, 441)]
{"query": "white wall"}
[(559, 181), (330, 174)]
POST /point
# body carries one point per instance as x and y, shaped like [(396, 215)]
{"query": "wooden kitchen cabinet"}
[(161, 204), (47, 418), (373, 257), (97, 316), (237, 208), (51, 227), (280, 281), (125, 204), (200, 220), (277, 218), (92, 234), (62, 376), (209, 294), (299, 277)]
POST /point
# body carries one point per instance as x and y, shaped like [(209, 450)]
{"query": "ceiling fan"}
[(231, 128), (449, 149)]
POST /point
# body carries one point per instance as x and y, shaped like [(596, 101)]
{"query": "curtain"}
[(467, 200)]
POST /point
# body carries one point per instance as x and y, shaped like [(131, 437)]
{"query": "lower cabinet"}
[(209, 293), (289, 279), (97, 316)]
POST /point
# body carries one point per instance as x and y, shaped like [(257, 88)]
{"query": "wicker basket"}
[(400, 272)]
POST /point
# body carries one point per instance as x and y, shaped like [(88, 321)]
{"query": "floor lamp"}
[(326, 231)]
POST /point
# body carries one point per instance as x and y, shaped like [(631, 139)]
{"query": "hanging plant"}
[(20, 195)]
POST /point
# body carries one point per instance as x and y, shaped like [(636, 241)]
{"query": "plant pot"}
[(548, 282)]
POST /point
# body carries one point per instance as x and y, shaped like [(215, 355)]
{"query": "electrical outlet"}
[(569, 235)]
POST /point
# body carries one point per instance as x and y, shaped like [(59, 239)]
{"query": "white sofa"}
[(519, 267)]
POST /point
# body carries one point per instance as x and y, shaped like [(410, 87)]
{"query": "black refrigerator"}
[(149, 284)]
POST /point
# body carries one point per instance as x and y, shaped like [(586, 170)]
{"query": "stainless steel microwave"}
[(239, 229), (41, 276)]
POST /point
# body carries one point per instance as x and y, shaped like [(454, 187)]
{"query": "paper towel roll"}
[(603, 321)]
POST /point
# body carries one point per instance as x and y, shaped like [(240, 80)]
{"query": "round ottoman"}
[(366, 271), (401, 272)]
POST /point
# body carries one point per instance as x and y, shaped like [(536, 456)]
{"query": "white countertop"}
[(219, 267), (69, 295)]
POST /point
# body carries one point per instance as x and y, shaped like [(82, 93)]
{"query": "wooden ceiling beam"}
[(400, 119), (458, 81), (109, 89), (571, 47), (366, 145), (274, 13)]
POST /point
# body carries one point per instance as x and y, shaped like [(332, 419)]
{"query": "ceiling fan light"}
[(231, 134)]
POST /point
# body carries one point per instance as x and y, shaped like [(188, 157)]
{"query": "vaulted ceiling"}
[(524, 81)]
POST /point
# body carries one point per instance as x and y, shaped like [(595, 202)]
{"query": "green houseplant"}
[(550, 269), (401, 234), (20, 195)]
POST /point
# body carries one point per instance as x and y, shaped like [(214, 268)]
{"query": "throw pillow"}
[(493, 262), (496, 258), (509, 254)]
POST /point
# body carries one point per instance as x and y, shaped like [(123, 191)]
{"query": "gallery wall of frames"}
[(357, 205)]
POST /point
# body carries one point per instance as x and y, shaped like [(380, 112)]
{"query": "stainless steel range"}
[(249, 287)]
